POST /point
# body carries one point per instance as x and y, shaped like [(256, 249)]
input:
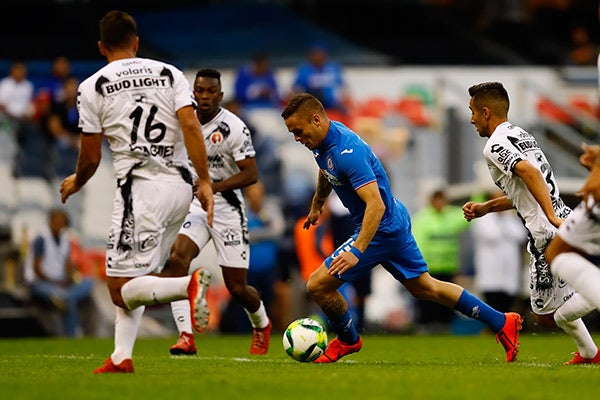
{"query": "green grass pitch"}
[(388, 367)]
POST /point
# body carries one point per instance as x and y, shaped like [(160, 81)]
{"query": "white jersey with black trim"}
[(134, 103), (227, 140), (508, 145)]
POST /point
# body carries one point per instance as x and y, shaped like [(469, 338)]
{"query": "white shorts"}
[(146, 218), (582, 228), (546, 291), (229, 234)]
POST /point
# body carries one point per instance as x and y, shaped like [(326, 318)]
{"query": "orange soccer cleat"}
[(580, 360), (125, 366), (509, 335), (260, 340), (338, 349), (185, 345), (197, 289)]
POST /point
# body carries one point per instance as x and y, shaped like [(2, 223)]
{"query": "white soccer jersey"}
[(506, 146), (134, 103), (227, 140)]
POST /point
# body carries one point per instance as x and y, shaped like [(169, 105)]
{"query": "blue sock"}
[(345, 329), (475, 308)]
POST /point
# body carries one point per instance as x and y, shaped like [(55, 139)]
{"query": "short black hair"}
[(209, 73), (490, 93), (495, 88), (117, 29)]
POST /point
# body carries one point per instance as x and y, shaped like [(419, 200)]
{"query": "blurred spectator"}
[(498, 256), (583, 50), (16, 93), (16, 103), (54, 84), (50, 89), (313, 245), (323, 79), (54, 280), (268, 155), (265, 227), (437, 229), (255, 84), (62, 124)]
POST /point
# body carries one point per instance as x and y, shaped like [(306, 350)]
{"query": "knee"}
[(424, 292), (178, 264), (555, 248), (547, 320), (236, 288), (313, 287), (559, 262)]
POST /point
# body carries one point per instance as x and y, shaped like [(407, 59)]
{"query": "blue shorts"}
[(397, 252)]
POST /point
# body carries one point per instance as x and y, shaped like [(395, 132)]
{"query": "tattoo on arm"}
[(322, 192)]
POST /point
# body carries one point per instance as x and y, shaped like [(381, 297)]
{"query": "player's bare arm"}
[(373, 213), (472, 210), (590, 159), (247, 176), (318, 200), (194, 143), (538, 187), (90, 154), (591, 187)]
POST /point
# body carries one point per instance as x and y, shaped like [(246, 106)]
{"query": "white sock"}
[(568, 318), (126, 327), (148, 290), (259, 318), (580, 274), (181, 314)]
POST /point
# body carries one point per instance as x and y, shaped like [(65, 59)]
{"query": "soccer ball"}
[(304, 340)]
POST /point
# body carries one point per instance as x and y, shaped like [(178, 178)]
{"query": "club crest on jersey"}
[(231, 237), (216, 137), (330, 163)]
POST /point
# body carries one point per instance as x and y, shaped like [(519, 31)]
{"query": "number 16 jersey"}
[(134, 102)]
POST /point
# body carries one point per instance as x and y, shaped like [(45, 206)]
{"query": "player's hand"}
[(556, 221), (591, 153), (342, 263), (312, 218), (472, 210), (204, 193), (591, 188), (68, 187)]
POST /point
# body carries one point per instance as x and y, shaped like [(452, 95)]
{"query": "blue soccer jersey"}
[(348, 163)]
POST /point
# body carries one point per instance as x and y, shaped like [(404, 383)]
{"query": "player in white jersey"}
[(232, 166), (579, 238), (146, 111), (520, 169)]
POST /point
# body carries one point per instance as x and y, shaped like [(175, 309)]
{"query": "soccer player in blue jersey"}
[(382, 235)]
